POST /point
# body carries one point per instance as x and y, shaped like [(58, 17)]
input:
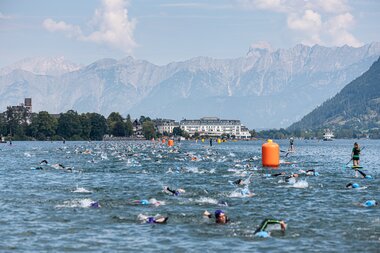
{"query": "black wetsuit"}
[(44, 161), (356, 154), (265, 223), (239, 181), (172, 191)]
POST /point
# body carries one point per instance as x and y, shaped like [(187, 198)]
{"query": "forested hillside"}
[(355, 107)]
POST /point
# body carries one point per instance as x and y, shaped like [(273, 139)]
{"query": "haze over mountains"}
[(265, 89)]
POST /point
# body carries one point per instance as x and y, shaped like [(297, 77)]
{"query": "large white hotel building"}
[(210, 126)]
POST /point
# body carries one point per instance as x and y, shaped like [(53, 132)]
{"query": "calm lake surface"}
[(49, 210)]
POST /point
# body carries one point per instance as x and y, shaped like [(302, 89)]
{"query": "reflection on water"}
[(89, 197)]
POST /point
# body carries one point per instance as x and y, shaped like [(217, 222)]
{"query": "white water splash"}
[(81, 203), (81, 190), (301, 184), (206, 200)]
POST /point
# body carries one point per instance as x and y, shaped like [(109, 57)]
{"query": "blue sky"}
[(162, 31)]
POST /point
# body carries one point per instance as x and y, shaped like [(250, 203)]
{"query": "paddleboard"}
[(356, 167)]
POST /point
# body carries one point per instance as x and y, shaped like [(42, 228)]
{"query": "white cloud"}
[(337, 27), (309, 24), (70, 30), (332, 6), (262, 45), (309, 21), (110, 25), (326, 22)]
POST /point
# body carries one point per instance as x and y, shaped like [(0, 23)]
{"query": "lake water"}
[(49, 210)]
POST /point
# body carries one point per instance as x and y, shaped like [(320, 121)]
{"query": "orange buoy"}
[(170, 143), (270, 154)]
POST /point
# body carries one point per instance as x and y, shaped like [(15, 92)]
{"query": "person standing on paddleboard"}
[(355, 155)]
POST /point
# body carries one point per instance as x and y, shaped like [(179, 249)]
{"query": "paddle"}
[(351, 157)]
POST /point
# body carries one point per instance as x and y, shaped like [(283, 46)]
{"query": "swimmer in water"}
[(95, 204), (262, 230), (174, 192), (239, 182), (370, 203), (151, 201), (278, 174), (220, 216), (310, 172), (352, 185), (153, 219), (288, 178), (61, 166), (44, 162)]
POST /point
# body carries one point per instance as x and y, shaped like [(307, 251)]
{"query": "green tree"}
[(177, 131), (43, 126), (3, 124), (17, 121), (148, 130), (118, 129), (143, 119), (86, 126), (98, 126), (128, 126), (116, 125), (69, 125)]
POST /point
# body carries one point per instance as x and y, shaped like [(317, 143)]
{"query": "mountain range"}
[(356, 106), (264, 89)]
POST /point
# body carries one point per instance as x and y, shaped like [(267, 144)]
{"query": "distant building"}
[(137, 128), (213, 126), (28, 104), (244, 133), (165, 125)]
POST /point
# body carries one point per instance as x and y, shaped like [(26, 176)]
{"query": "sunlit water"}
[(50, 210)]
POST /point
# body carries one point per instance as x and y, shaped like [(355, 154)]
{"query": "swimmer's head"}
[(352, 185), (316, 174), (95, 204), (151, 220), (220, 217), (144, 202), (370, 203), (295, 175), (368, 177)]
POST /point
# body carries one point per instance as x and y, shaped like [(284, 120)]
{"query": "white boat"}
[(328, 135), (2, 140)]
